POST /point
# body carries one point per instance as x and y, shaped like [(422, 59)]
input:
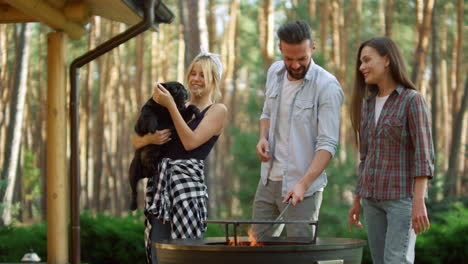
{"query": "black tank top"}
[(176, 150)]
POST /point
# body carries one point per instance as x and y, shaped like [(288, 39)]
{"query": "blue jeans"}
[(391, 238), (159, 231)]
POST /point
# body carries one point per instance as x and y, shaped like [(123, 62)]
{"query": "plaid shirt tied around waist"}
[(396, 149), (177, 194)]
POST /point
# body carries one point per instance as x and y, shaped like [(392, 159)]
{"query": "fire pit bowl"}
[(274, 251)]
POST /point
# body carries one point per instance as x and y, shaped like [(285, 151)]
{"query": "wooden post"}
[(57, 181)]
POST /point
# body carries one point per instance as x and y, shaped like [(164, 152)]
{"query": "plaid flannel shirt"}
[(396, 149), (177, 194)]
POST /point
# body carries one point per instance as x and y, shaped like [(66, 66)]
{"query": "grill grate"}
[(236, 223)]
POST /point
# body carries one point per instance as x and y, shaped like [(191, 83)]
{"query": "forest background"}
[(113, 88)]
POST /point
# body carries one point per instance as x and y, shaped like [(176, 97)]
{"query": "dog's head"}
[(178, 92), (154, 116)]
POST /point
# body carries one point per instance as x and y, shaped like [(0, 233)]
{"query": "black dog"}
[(154, 116)]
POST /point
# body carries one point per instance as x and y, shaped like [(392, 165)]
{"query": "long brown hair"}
[(385, 47)]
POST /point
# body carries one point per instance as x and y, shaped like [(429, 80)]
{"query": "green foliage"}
[(16, 241), (446, 241), (30, 185), (30, 178), (106, 239), (215, 230), (250, 55), (334, 210), (333, 219), (3, 186)]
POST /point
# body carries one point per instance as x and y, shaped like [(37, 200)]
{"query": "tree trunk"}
[(462, 168), (459, 47), (193, 39), (229, 44), (3, 79), (389, 17), (312, 9), (452, 178), (266, 34), (18, 189), (435, 88), (444, 87), (203, 27), (86, 120), (37, 112), (183, 21), (211, 21), (324, 18), (140, 47), (357, 22), (336, 20), (6, 83), (419, 8), (462, 104), (381, 12), (127, 110), (335, 26), (12, 149), (181, 56), (234, 201), (221, 153), (98, 137), (233, 64), (419, 64)]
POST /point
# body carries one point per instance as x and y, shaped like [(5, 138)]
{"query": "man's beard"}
[(298, 76)]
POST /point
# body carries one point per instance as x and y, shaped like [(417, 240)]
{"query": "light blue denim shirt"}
[(313, 124)]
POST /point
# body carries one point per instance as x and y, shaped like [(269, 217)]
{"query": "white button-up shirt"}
[(314, 120)]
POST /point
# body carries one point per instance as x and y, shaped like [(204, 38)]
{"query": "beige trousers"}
[(268, 205)]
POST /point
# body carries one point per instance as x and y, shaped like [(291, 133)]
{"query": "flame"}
[(231, 242), (252, 241)]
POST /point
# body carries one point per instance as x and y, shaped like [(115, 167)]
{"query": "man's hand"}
[(296, 194), (353, 214), (263, 150)]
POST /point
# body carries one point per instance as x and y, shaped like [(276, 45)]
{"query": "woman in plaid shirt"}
[(393, 131)]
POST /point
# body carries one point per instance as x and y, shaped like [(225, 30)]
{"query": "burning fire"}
[(252, 241)]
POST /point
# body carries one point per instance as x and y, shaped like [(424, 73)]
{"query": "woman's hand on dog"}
[(162, 96), (159, 137)]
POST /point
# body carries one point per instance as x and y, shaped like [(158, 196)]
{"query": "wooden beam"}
[(49, 15), (58, 196), (115, 10), (9, 14), (77, 12)]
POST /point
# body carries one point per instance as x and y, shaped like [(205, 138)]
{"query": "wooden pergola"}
[(69, 19)]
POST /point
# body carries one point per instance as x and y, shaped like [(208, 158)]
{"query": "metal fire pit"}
[(275, 250)]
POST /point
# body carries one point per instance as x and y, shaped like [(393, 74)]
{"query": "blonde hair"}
[(210, 73)]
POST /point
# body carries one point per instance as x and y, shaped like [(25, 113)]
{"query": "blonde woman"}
[(176, 195)]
